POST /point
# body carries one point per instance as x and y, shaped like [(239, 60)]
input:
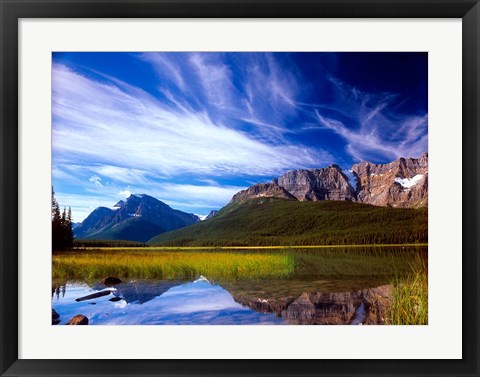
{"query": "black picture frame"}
[(11, 11)]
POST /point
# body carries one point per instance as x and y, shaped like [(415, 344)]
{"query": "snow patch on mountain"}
[(409, 182), (352, 178)]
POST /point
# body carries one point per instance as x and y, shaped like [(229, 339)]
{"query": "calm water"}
[(338, 286)]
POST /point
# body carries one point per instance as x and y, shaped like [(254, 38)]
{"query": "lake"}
[(337, 285)]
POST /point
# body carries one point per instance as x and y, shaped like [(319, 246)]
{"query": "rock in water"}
[(78, 320), (93, 295), (111, 281), (55, 317)]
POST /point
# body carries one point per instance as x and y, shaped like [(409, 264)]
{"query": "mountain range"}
[(401, 184)]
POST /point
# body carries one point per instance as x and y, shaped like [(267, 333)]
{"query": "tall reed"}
[(171, 265)]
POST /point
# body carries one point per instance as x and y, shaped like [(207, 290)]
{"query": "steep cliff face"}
[(318, 184), (402, 184)]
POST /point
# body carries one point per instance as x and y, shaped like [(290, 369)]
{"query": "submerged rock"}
[(79, 319), (111, 281)]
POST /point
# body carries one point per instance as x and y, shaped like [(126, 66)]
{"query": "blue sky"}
[(192, 129)]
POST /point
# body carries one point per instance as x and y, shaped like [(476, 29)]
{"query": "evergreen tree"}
[(62, 234), (69, 229), (56, 224)]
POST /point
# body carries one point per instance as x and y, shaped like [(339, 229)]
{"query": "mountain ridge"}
[(273, 221), (402, 183)]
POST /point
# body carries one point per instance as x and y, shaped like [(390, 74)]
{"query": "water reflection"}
[(338, 286), (198, 302), (202, 302)]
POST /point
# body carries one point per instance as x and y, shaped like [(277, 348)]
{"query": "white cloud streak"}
[(164, 64), (377, 133), (106, 125)]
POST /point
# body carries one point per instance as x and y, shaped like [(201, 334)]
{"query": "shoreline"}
[(170, 248)]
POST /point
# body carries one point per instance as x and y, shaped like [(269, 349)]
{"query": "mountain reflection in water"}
[(158, 303), (341, 286)]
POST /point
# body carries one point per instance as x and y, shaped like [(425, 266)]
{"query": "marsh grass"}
[(171, 265), (409, 302)]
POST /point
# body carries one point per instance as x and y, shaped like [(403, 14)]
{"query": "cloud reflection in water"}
[(192, 303)]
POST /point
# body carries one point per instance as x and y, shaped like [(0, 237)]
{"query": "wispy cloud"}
[(371, 131), (111, 127), (96, 180), (164, 63), (216, 79)]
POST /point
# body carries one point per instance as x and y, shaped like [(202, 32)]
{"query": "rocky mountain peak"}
[(401, 183), (150, 213), (262, 190)]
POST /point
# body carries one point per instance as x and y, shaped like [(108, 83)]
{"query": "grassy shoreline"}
[(170, 248)]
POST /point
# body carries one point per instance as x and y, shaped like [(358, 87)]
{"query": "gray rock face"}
[(318, 184), (402, 183)]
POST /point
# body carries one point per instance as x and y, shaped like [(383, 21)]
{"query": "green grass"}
[(275, 222), (252, 263), (409, 301), (170, 265)]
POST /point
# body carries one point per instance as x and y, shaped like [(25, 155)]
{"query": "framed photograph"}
[(239, 189)]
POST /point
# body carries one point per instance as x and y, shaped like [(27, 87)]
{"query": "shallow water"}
[(344, 293), (158, 303)]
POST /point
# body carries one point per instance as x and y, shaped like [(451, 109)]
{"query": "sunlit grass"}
[(171, 265), (409, 301)]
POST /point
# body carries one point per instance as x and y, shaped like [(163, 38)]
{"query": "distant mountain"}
[(74, 225), (401, 184), (138, 218), (274, 221), (213, 212), (93, 222)]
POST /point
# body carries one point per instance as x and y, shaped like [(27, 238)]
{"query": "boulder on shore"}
[(78, 320)]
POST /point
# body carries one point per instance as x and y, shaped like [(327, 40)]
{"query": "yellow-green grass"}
[(170, 265), (409, 301)]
